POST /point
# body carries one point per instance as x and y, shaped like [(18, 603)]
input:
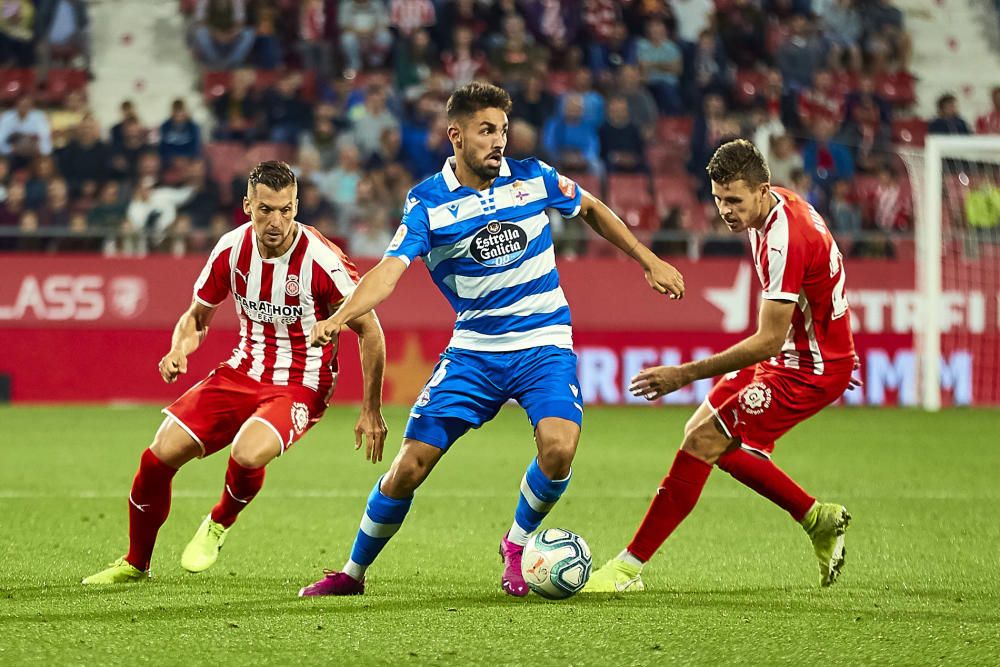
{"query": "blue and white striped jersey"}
[(490, 253)]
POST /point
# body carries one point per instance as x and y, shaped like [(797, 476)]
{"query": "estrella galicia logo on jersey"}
[(499, 244), (292, 285)]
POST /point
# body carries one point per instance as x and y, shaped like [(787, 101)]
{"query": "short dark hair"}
[(476, 96), (947, 98), (738, 160), (273, 173)]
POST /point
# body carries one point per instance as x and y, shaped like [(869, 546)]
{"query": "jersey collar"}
[(451, 180)]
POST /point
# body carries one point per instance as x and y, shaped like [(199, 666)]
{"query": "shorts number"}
[(839, 296)]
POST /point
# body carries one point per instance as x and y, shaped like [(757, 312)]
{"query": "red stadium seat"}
[(61, 82), (746, 85), (216, 83), (898, 88), (629, 190), (911, 131), (675, 131), (225, 160), (590, 183), (16, 82), (262, 152), (558, 82)]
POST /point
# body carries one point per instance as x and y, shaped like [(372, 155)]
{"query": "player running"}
[(480, 227), (800, 360), (284, 277)]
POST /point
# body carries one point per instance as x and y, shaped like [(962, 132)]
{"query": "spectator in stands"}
[(465, 61), (866, 94), (287, 114), (711, 72), (693, 18), (267, 47), (64, 118), (127, 110), (711, 128), (623, 148), (43, 171), (30, 240), (784, 160), (803, 184), (108, 213), (743, 30), (371, 235), (408, 16), (893, 207), (824, 159), (239, 111), (180, 137), (947, 121), (315, 49), (86, 159), (222, 38), (868, 137), (62, 28), (661, 62), (516, 54), (460, 13), (532, 102), (555, 24), (989, 123), (821, 100), (24, 133), (17, 20), (569, 141), (599, 19), (415, 61), (12, 209), (841, 26), (312, 206), (342, 190), (845, 216), (203, 198), (125, 158), (55, 212), (424, 138), (582, 84), (364, 33), (4, 174), (370, 119), (641, 105), (800, 55), (886, 41), (522, 140), (323, 139), (605, 58)]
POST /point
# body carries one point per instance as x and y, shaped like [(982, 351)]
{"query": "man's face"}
[(479, 141), (273, 215), (740, 205)]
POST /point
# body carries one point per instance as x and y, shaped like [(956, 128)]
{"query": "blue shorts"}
[(468, 388)]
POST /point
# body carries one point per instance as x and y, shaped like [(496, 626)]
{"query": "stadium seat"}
[(15, 83), (747, 83), (215, 84), (898, 88), (225, 159), (590, 183), (629, 190), (675, 131), (911, 131), (558, 82), (61, 82)]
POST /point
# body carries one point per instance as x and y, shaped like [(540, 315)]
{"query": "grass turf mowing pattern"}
[(736, 583)]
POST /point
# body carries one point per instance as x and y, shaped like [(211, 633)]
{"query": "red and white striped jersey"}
[(798, 260), (278, 301)]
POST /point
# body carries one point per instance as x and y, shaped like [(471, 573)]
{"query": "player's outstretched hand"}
[(174, 363), (323, 333), (371, 425), (652, 383), (665, 279), (855, 381)]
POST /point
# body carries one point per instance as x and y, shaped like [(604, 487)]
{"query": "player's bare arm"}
[(190, 330), (371, 424), (772, 327), (660, 275), (374, 288)]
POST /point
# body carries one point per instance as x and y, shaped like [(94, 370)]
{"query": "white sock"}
[(627, 557), (355, 571), (518, 535)]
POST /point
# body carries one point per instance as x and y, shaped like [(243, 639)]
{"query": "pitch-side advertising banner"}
[(93, 328)]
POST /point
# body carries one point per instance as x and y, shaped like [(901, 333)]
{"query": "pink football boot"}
[(512, 582), (334, 583)]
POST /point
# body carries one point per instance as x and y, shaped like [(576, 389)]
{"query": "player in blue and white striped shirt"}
[(481, 229)]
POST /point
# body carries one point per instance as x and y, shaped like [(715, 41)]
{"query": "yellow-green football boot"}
[(119, 572), (615, 576), (826, 525), (203, 549)]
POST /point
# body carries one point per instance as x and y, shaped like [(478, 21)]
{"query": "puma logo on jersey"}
[(777, 250), (244, 276)]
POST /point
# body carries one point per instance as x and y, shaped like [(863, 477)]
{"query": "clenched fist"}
[(324, 333)]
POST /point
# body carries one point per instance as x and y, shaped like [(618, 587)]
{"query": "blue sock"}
[(538, 495), (382, 518)]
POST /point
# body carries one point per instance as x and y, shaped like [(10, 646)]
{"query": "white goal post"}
[(945, 157)]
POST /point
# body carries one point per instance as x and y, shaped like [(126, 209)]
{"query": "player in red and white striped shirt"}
[(800, 360), (284, 277)]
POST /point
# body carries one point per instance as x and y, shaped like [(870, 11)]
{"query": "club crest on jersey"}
[(519, 193), (300, 416), (755, 398), (499, 244), (292, 287)]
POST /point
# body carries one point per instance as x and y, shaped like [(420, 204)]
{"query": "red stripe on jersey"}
[(296, 334), (270, 336), (241, 278)]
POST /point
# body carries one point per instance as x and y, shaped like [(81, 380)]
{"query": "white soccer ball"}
[(556, 563)]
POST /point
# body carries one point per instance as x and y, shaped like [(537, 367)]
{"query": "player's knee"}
[(173, 445), (556, 457), (705, 442), (405, 475), (255, 454)]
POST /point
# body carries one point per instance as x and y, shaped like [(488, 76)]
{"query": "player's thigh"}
[(213, 411), (708, 441), (288, 411), (461, 391), (410, 468), (173, 445), (256, 445), (545, 383)]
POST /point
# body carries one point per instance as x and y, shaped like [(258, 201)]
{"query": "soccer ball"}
[(556, 563)]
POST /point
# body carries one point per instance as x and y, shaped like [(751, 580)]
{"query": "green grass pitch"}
[(736, 583)]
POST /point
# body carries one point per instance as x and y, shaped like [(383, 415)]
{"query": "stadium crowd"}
[(630, 97)]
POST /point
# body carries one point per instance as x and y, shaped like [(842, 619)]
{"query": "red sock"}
[(767, 479), (676, 497), (148, 506), (242, 484)]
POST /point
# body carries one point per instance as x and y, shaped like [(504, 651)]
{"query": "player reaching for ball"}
[(800, 360)]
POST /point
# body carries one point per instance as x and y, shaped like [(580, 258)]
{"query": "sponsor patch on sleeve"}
[(567, 187), (397, 240)]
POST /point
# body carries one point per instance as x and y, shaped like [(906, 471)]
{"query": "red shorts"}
[(214, 410), (761, 403)]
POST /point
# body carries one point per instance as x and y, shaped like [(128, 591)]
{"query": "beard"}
[(483, 170)]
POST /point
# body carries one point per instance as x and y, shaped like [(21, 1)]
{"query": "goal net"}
[(956, 187)]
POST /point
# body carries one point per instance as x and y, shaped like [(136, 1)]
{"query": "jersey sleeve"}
[(413, 236), (213, 284), (786, 266), (337, 275), (563, 194)]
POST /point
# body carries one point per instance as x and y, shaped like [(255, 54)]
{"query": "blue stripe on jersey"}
[(495, 325), (469, 235)]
